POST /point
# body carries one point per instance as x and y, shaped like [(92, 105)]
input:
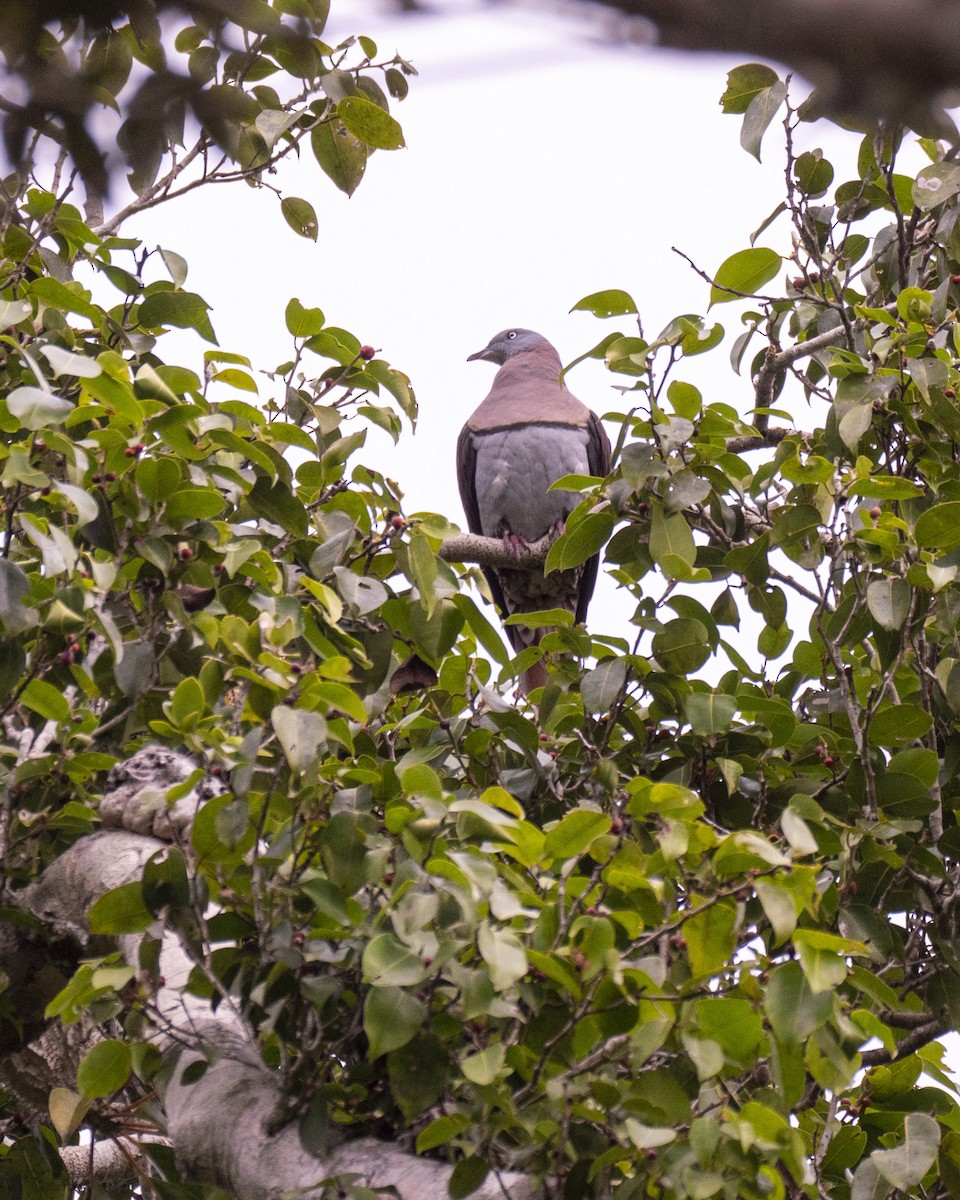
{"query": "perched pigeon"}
[(529, 432)]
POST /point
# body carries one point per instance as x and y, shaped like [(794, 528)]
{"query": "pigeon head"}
[(509, 342)]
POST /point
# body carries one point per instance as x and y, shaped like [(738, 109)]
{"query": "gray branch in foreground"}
[(492, 552), (870, 56)]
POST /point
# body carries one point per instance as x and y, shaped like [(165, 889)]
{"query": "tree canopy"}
[(298, 894)]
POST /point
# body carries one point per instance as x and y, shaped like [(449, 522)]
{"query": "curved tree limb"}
[(870, 57)]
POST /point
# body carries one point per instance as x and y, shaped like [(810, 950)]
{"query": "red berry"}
[(398, 522), (186, 552), (828, 761), (110, 476), (367, 352), (96, 477), (130, 452), (388, 878), (949, 393), (955, 278), (616, 826), (217, 568), (876, 511)]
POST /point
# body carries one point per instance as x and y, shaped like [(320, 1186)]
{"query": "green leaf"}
[(35, 408), (503, 953), (468, 1175), (760, 112), (681, 646), (43, 698), (889, 602), (579, 542), (601, 686), (186, 310), (744, 273), (65, 362), (905, 1165), (418, 1074), (302, 322), (484, 1067), (743, 84), (441, 1131), (610, 303), (121, 910), (898, 724), (387, 962), (709, 712), (368, 122), (301, 216), (671, 543), (341, 156), (935, 184), (938, 528), (303, 735), (104, 1069), (791, 1007), (391, 1017), (575, 833), (711, 936), (14, 585)]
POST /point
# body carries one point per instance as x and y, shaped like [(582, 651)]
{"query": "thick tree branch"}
[(872, 57), (492, 552)]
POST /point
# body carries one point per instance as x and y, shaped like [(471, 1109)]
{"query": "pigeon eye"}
[(511, 335)]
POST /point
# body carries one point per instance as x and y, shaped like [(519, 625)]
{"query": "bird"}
[(527, 433)]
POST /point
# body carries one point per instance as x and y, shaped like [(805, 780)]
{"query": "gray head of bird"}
[(507, 343)]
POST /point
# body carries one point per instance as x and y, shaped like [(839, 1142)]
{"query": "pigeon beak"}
[(479, 354)]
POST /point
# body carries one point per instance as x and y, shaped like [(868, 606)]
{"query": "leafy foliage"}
[(686, 928)]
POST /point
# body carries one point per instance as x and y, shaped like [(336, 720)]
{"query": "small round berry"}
[(96, 477), (828, 760), (397, 522), (876, 511), (949, 393), (186, 552), (110, 476), (955, 278), (130, 452), (367, 352)]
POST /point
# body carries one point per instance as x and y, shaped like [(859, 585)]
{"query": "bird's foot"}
[(513, 541)]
